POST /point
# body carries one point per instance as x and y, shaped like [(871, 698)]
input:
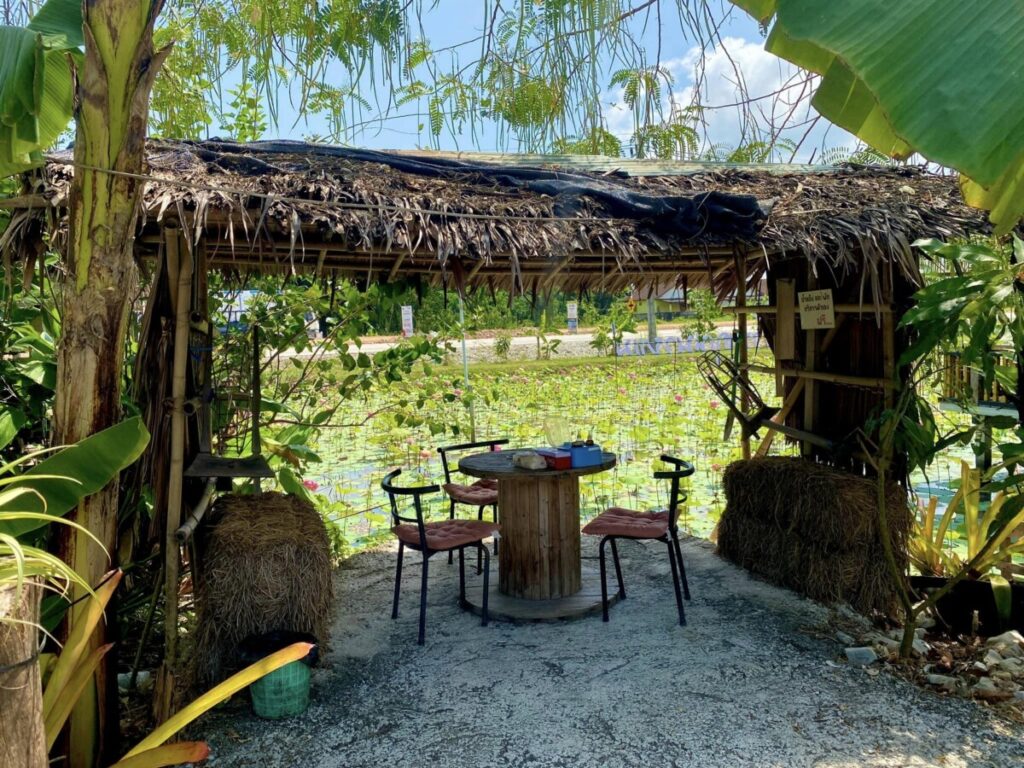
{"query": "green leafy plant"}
[(706, 311), (990, 546), (502, 345)]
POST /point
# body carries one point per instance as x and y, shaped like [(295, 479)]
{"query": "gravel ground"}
[(755, 679)]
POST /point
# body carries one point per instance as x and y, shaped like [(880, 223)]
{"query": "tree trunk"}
[(22, 741), (112, 111)]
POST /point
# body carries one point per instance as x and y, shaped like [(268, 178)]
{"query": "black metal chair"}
[(617, 523), (430, 538), (480, 493)]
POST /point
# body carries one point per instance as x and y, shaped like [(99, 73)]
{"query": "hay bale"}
[(265, 565), (813, 529)]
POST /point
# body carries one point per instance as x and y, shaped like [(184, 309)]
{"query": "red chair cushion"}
[(479, 496), (446, 534), (628, 523)]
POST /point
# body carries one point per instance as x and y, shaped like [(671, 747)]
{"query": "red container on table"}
[(555, 458)]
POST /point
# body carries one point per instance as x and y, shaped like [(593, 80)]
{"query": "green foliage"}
[(60, 482), (502, 345), (609, 330), (36, 83), (705, 311)]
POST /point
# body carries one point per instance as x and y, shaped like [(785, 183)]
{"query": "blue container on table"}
[(584, 455)]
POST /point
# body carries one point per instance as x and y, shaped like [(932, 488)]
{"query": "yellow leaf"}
[(168, 754), (225, 690)]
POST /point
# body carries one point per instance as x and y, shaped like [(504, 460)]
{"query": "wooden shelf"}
[(846, 309), (831, 378)]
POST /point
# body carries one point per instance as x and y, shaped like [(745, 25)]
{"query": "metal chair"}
[(481, 493), (431, 538), (617, 523)]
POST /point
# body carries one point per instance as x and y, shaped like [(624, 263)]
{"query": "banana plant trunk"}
[(22, 741), (112, 107)]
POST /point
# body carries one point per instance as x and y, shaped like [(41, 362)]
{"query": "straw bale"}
[(265, 565), (812, 529)]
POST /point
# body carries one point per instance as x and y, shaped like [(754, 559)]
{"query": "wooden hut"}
[(529, 224)]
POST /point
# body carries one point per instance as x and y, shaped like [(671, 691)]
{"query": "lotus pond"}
[(637, 408)]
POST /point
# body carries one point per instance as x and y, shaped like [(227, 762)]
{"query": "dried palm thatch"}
[(523, 222), (812, 529), (265, 565)]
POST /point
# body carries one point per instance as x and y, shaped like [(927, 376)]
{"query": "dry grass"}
[(812, 529), (265, 565)]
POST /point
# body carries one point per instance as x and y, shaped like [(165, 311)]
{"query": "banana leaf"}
[(70, 475), (938, 77), (36, 86)]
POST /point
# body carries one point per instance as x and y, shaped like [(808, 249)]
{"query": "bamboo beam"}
[(871, 382), (393, 273), (846, 309)]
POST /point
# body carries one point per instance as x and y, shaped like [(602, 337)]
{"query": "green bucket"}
[(285, 691)]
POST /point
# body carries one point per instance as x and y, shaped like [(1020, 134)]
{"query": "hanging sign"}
[(407, 320), (816, 309), (572, 310)]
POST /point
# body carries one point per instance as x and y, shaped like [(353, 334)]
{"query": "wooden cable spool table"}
[(539, 568)]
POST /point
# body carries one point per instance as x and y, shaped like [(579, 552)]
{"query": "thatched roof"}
[(526, 222)]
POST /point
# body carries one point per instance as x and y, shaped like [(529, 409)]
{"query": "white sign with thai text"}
[(816, 309)]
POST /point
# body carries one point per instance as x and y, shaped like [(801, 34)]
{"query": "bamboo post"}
[(810, 365), (741, 326), (164, 703), (257, 400)]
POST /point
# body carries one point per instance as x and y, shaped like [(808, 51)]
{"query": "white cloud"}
[(739, 70)]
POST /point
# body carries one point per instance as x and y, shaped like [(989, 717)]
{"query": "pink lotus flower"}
[(425, 454), (713, 404), (410, 440), (716, 467), (622, 391), (679, 398), (457, 392), (311, 484)]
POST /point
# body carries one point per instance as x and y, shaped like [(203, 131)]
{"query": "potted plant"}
[(984, 600)]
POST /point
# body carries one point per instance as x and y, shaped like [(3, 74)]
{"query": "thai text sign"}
[(816, 310), (406, 320)]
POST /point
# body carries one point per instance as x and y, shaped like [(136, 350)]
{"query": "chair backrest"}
[(393, 491), (677, 497), (444, 450)]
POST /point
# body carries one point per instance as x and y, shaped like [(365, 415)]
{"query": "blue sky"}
[(742, 55)]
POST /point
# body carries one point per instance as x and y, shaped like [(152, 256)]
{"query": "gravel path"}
[(755, 679)]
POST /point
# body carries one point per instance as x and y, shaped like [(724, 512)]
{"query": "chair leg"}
[(423, 599), (462, 580), (682, 568), (675, 581), (604, 585), (480, 517), (451, 516), (398, 579), (487, 586), (618, 571), (495, 508)]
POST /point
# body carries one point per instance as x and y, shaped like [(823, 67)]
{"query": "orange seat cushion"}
[(629, 524), (486, 482), (446, 534), (478, 495)]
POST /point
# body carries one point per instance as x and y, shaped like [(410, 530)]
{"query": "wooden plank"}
[(785, 320)]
